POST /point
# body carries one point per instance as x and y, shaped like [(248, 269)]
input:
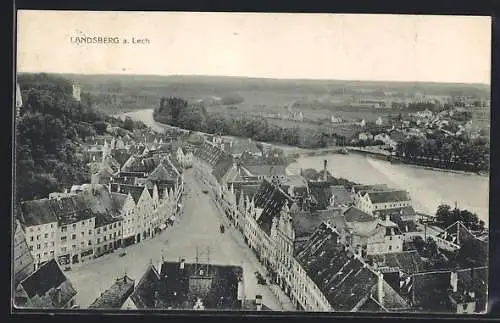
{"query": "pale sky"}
[(305, 46)]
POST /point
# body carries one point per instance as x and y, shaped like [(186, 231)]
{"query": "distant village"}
[(329, 246)]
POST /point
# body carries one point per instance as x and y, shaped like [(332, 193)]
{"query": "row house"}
[(328, 277), (267, 203), (184, 157), (46, 288), (169, 185), (108, 234), (365, 234), (291, 229), (125, 205), (24, 263), (210, 164), (233, 200), (76, 230), (40, 225), (138, 224), (373, 201)]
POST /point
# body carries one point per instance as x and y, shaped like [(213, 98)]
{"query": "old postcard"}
[(251, 162)]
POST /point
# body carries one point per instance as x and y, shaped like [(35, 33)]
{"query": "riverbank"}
[(427, 187), (444, 170)]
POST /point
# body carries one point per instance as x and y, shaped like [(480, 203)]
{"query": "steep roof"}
[(246, 188), (305, 223), (119, 199), (171, 288), (388, 196), (120, 155), (369, 188), (222, 166), (116, 295), (353, 214), (135, 191), (345, 280), (209, 153), (239, 146), (37, 212), (271, 199), (42, 285), (266, 170), (143, 294), (162, 173), (409, 262)]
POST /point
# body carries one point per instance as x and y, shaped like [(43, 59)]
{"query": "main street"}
[(196, 228)]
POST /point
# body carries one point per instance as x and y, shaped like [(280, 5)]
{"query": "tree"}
[(128, 124), (419, 244), (431, 247), (100, 127), (443, 213)]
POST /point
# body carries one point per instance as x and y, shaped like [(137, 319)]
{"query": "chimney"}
[(380, 288), (454, 281), (181, 265), (59, 295), (258, 302), (325, 177)]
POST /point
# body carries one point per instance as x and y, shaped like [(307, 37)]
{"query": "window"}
[(90, 232), (98, 240), (83, 222), (82, 243), (390, 247), (63, 249), (64, 229), (45, 253), (114, 225), (119, 224), (46, 235), (63, 238), (52, 225), (90, 242), (464, 306), (73, 246), (98, 230), (38, 246), (31, 239), (73, 236), (37, 237), (31, 248), (45, 245), (74, 226), (53, 243), (83, 234)]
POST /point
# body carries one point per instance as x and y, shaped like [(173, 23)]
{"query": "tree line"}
[(180, 113), (450, 152), (50, 128)]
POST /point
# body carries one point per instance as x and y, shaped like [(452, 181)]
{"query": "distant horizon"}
[(251, 77)]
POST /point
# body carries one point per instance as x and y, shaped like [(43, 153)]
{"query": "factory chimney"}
[(325, 177)]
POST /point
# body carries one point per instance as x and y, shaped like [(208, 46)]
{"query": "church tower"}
[(76, 92)]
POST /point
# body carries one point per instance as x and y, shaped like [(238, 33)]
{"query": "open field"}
[(258, 94)]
